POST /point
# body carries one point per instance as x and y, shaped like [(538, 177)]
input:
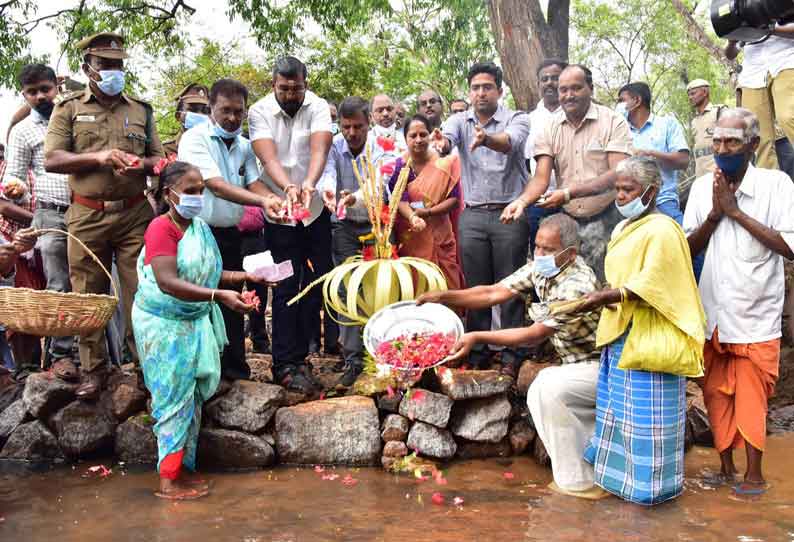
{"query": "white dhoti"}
[(562, 403)]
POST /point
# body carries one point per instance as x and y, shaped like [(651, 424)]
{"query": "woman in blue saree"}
[(178, 326)]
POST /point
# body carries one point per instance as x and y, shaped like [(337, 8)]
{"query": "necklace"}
[(175, 222)]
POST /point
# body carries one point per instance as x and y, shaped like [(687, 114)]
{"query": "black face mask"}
[(44, 109), (290, 108)]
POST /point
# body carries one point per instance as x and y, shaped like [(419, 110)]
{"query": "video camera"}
[(749, 20)]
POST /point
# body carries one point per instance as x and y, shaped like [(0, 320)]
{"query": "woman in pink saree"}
[(428, 212)]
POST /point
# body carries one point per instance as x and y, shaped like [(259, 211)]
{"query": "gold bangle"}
[(212, 296)]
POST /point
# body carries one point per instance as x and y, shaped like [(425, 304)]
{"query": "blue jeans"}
[(672, 209)]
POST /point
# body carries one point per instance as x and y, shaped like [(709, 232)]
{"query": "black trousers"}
[(233, 364), (254, 243), (293, 326)]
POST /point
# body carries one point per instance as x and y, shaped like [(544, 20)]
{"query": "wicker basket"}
[(57, 314)]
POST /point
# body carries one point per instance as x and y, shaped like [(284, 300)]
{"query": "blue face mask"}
[(730, 164), (194, 119), (223, 134), (546, 266), (621, 109), (635, 207), (112, 82), (189, 206)]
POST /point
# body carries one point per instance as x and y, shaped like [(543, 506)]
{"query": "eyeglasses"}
[(546, 78), (429, 102)]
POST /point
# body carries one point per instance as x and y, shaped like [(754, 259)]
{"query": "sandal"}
[(65, 369), (297, 382), (719, 480), (750, 489), (182, 494)]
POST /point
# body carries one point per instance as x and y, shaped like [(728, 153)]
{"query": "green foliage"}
[(641, 40)]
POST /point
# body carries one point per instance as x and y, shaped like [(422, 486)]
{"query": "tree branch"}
[(698, 34)]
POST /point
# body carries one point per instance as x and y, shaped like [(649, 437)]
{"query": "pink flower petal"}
[(319, 468), (508, 476), (437, 498), (457, 501)]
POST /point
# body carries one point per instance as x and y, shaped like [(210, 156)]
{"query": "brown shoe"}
[(66, 370), (91, 384)]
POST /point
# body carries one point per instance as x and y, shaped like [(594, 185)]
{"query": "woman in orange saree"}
[(430, 203)]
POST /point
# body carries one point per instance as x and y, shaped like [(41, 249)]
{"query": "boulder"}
[(32, 441), (135, 440), (468, 449), (527, 374), (395, 427), (395, 448), (388, 462), (124, 395), (481, 420), (248, 406), (426, 406), (44, 394), (11, 418), (521, 436), (82, 428), (342, 430), (698, 422), (390, 403), (540, 454), (431, 441), (225, 449), (460, 385), (10, 391), (781, 419)]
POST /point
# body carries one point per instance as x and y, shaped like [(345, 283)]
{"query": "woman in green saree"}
[(178, 326)]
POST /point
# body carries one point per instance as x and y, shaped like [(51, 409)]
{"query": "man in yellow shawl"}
[(652, 333)]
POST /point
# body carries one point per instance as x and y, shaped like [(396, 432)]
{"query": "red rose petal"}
[(437, 498)]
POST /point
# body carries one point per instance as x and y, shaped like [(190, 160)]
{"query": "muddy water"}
[(288, 504)]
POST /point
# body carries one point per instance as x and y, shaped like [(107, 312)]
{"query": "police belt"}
[(113, 206)]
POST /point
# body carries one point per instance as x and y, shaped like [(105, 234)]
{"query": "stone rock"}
[(295, 398), (521, 436), (125, 400), (527, 374), (481, 419), (226, 449), (11, 418), (395, 427), (32, 441), (135, 440), (44, 394), (460, 385), (781, 419), (476, 450), (698, 421), (342, 430), (248, 406), (540, 454), (269, 439), (82, 428), (395, 448), (388, 462), (694, 396), (426, 406), (390, 403), (431, 441), (10, 391)]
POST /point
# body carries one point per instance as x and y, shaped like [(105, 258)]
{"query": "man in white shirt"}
[(291, 135), (742, 216), (767, 85), (384, 120), (548, 79)]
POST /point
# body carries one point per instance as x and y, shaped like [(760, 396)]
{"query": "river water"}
[(289, 505)]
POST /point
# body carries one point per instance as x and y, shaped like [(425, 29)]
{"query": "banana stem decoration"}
[(360, 286)]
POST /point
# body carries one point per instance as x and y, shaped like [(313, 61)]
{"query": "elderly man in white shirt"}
[(290, 132), (742, 216)]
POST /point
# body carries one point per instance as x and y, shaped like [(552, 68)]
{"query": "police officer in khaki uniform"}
[(190, 103), (706, 115), (107, 142)]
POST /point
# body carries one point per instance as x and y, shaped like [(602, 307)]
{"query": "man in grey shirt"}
[(490, 139)]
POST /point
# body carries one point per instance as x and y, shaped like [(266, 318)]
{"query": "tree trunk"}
[(524, 36)]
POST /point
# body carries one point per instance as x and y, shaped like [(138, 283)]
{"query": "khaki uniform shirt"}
[(80, 124), (172, 145), (702, 130), (580, 154)]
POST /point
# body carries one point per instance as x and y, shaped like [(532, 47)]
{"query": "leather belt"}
[(113, 206), (488, 206), (52, 206)]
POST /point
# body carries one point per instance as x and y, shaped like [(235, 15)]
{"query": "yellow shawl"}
[(650, 257)]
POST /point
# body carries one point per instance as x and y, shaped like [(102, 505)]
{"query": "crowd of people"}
[(564, 225)]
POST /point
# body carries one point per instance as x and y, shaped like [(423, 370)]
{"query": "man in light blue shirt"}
[(228, 166), (661, 137)]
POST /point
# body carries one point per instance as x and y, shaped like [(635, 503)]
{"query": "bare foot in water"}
[(178, 490), (194, 480)]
